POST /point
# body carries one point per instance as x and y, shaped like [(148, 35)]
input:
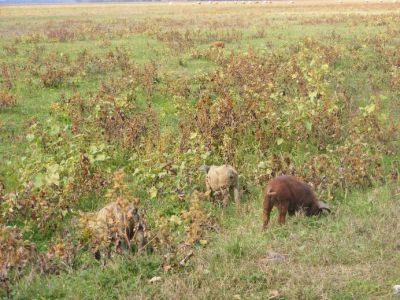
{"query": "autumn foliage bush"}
[(7, 99), (283, 104), (279, 112), (15, 253)]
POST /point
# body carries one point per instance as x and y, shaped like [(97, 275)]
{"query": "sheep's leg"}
[(208, 188), (210, 193), (97, 254), (125, 246), (225, 194), (236, 194), (124, 239), (283, 209), (267, 211), (140, 239), (212, 197), (109, 251)]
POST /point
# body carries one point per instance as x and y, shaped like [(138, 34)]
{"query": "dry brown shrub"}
[(10, 49), (53, 75), (288, 100), (60, 35), (9, 72), (218, 44), (395, 77), (197, 221), (7, 99), (15, 254)]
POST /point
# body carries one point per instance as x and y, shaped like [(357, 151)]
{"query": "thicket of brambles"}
[(285, 111)]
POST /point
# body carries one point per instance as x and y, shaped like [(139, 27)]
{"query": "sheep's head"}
[(131, 212), (204, 168), (133, 220)]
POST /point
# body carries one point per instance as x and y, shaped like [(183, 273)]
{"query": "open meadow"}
[(124, 102)]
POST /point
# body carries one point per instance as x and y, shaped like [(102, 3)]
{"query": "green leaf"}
[(383, 97), (30, 137), (370, 108), (91, 158), (205, 155), (153, 192), (53, 176), (262, 164), (93, 149), (54, 130), (133, 157), (308, 125), (279, 141), (175, 220), (162, 174), (101, 157), (203, 242), (38, 180)]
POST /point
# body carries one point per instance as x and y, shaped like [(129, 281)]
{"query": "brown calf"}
[(290, 195)]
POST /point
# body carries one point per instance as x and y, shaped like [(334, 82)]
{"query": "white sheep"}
[(119, 224), (222, 180)]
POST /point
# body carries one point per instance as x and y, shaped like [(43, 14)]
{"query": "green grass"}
[(351, 254)]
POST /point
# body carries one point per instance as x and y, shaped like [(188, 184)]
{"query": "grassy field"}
[(309, 88), (351, 254)]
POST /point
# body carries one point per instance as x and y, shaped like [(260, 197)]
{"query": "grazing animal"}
[(222, 180), (218, 44), (120, 225), (289, 195)]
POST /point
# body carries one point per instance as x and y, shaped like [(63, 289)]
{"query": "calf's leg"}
[(283, 209), (266, 211)]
